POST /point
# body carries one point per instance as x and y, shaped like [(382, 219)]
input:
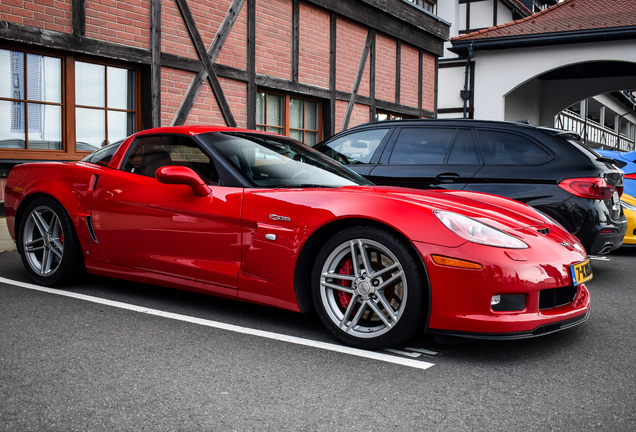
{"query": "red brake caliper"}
[(345, 269)]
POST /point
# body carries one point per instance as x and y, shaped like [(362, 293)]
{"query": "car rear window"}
[(501, 148)]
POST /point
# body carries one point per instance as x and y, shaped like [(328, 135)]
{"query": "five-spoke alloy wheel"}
[(368, 288)]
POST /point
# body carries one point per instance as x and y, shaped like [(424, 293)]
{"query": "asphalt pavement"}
[(106, 354)]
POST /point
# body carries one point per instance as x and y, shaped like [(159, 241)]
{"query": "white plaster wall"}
[(503, 14), (499, 73), (481, 14), (450, 83)]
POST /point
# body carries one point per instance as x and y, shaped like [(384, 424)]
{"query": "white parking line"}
[(230, 327)]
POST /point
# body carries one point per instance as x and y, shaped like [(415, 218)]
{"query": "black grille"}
[(551, 298)]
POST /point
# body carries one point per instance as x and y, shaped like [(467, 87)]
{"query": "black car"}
[(551, 170)]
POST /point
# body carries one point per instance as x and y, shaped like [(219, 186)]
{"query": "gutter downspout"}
[(465, 93)]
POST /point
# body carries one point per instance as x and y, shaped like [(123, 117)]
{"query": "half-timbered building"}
[(78, 74)]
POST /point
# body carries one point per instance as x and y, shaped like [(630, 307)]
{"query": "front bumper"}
[(460, 299)]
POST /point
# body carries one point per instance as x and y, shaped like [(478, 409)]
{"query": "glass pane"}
[(356, 147), (274, 110), (311, 138), (381, 116), (12, 133), (296, 134), (500, 148), (90, 129), (44, 78), (296, 114), (121, 88), (11, 74), (45, 126), (120, 125), (260, 128), (311, 115), (90, 84), (418, 146), (275, 130), (463, 151), (260, 108)]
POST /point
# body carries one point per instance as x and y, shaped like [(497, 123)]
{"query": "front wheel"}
[(368, 287), (48, 244)]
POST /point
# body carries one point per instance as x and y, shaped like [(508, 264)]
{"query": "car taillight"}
[(594, 188)]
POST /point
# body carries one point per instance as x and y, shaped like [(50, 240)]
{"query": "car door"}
[(143, 224), (515, 166), (428, 157)]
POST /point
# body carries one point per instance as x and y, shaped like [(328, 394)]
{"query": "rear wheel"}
[(368, 288), (48, 244)]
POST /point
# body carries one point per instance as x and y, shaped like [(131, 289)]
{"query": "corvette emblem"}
[(279, 218)]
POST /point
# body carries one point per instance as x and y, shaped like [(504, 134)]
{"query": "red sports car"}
[(262, 218)]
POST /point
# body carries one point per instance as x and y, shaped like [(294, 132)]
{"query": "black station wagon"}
[(551, 170)]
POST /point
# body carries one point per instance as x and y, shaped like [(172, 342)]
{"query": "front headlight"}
[(628, 206), (477, 232)]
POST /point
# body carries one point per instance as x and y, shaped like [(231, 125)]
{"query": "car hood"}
[(498, 212)]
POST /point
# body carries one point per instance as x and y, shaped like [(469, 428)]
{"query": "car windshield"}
[(271, 161)]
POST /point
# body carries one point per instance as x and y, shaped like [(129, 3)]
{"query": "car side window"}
[(149, 153), (463, 151), (104, 155), (421, 146), (357, 147), (502, 148)]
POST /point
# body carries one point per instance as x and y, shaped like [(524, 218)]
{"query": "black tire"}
[(48, 244), (372, 309)]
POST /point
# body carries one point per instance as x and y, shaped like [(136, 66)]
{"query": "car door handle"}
[(448, 177)]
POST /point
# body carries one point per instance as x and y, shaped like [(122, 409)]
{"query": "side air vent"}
[(89, 224), (544, 231)]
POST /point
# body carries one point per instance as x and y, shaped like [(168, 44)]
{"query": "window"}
[(30, 101), (422, 146), (290, 116), (149, 153), (62, 103), (104, 104), (357, 147), (500, 148), (427, 5)]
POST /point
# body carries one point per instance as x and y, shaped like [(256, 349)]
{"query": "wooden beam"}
[(197, 82), (251, 64), (372, 79), (333, 30), (68, 42), (358, 78), (295, 35), (78, 19), (155, 66), (207, 64)]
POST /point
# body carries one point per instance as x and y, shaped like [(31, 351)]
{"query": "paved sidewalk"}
[(6, 242)]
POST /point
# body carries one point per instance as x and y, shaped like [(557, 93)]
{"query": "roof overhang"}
[(527, 41)]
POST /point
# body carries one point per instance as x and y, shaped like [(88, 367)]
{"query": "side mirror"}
[(180, 175)]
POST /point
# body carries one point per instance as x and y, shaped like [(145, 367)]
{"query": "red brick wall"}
[(123, 22), (385, 67), (47, 14), (274, 38), (428, 82), (350, 44), (409, 73), (234, 51), (313, 46)]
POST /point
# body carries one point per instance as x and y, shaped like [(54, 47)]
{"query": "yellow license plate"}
[(581, 272)]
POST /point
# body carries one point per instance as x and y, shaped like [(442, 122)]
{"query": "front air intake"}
[(555, 297)]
